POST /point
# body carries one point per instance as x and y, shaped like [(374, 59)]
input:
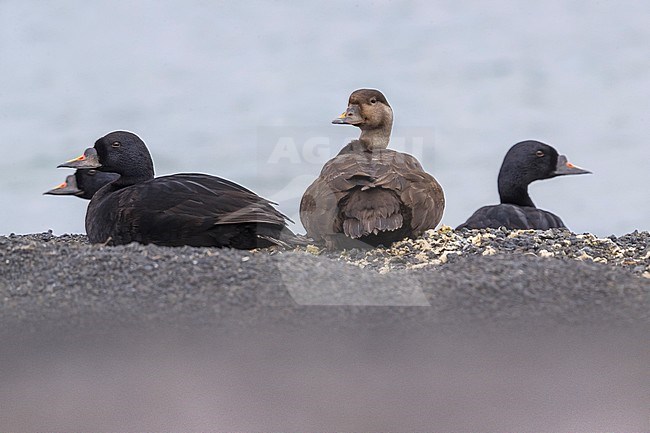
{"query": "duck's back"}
[(183, 209), (513, 217), (375, 197)]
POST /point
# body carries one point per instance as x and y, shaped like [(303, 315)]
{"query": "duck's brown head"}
[(369, 110)]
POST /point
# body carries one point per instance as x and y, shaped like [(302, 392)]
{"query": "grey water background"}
[(247, 90)]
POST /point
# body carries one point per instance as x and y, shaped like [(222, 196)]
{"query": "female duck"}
[(181, 209), (368, 194), (524, 163)]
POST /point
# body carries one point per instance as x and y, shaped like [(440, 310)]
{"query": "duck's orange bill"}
[(79, 158), (568, 164), (342, 116), (61, 185)]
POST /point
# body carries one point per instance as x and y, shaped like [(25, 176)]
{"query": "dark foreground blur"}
[(281, 379), (147, 338)]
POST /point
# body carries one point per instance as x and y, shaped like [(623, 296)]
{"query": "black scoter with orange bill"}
[(84, 183), (369, 195), (181, 209), (524, 163)]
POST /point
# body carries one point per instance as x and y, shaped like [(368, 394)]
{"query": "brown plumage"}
[(369, 195)]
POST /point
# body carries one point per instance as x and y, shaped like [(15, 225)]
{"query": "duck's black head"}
[(124, 153), (526, 162), (118, 152), (369, 110), (67, 187), (84, 183)]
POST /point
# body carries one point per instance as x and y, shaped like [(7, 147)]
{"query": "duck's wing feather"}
[(512, 217), (386, 169), (421, 192), (187, 202), (214, 198)]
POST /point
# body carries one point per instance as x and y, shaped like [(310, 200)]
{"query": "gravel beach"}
[(490, 275), (485, 330)]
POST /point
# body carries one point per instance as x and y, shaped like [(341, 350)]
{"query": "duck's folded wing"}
[(319, 211), (539, 219), (512, 217), (418, 190), (424, 195), (319, 206), (197, 200)]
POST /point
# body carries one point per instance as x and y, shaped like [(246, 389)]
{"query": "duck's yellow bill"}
[(79, 158)]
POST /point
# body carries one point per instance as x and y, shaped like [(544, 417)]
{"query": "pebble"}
[(435, 247), (459, 276)]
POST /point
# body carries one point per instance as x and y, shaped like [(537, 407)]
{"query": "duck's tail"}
[(370, 212)]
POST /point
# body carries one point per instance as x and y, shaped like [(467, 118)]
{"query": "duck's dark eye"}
[(91, 172), (539, 153), (373, 100), (116, 144)]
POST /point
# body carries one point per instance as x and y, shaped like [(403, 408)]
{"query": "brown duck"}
[(369, 195)]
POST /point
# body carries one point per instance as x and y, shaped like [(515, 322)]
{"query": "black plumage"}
[(84, 183), (181, 209), (524, 163), (369, 195)]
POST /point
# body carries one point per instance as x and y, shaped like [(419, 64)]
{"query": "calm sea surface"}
[(246, 90)]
